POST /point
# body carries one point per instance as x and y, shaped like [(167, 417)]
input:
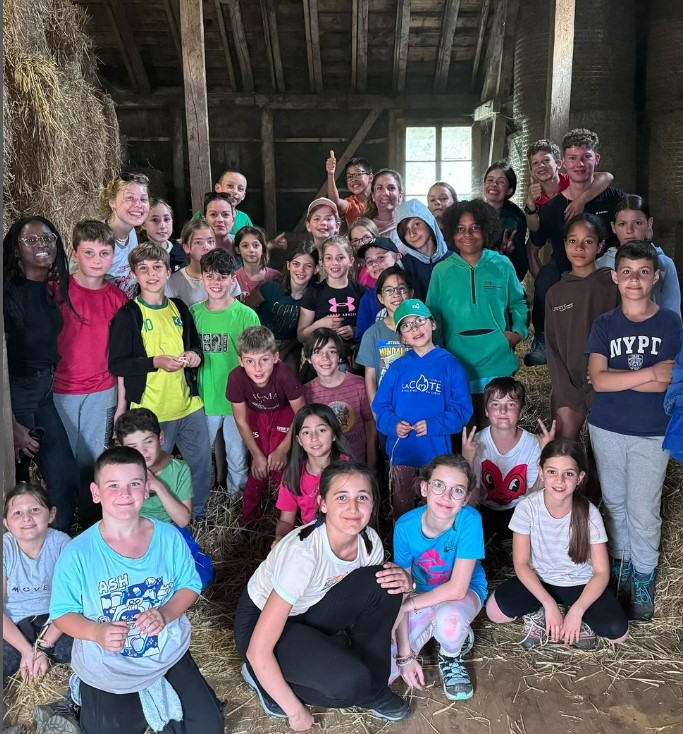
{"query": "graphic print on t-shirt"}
[(633, 348), (341, 307), (502, 490), (435, 570), (214, 343), (389, 351)]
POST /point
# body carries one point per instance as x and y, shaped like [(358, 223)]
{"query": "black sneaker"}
[(390, 707), (642, 603), (536, 355), (60, 717), (267, 703)]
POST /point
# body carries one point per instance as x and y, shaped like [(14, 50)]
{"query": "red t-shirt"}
[(83, 343), (277, 393), (564, 183)]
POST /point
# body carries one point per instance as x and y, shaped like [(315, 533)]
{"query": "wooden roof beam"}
[(359, 45), (218, 7), (129, 50), (483, 20), (171, 17), (272, 39), (443, 57), (239, 38), (315, 69), (401, 44)]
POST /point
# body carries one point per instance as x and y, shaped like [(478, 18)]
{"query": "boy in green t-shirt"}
[(220, 320)]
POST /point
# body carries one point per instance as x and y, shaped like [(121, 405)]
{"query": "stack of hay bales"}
[(61, 138)]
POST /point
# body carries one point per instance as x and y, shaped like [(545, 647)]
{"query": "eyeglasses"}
[(366, 239), (416, 323), (439, 488), (400, 290), (355, 176), (33, 240)]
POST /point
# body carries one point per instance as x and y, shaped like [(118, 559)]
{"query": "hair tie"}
[(319, 522)]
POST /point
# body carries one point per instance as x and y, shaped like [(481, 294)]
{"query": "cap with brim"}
[(322, 201), (384, 243), (411, 307)]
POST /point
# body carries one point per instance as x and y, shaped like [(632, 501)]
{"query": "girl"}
[(318, 442), (477, 299), (632, 221), (440, 197), (159, 229), (125, 204), (219, 212), (322, 221), (332, 303), (250, 245), (279, 310), (320, 581), (362, 232), (29, 552), (421, 402), (387, 194), (441, 545), (500, 184), (36, 280), (559, 550)]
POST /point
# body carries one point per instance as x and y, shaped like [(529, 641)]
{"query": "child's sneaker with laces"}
[(267, 703), (60, 717), (456, 680), (642, 604), (533, 631), (390, 706), (587, 638)]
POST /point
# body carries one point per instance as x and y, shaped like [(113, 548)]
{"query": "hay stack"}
[(61, 133)]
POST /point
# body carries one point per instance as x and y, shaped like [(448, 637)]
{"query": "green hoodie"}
[(473, 306)]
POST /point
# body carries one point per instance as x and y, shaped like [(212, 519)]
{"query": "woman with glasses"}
[(422, 400), (36, 280), (358, 174)]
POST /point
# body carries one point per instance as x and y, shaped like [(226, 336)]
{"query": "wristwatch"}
[(529, 211)]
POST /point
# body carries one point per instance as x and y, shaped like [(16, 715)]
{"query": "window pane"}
[(459, 175), (456, 143), (420, 143), (419, 177)]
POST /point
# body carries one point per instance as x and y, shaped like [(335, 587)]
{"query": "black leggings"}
[(337, 653), (605, 615), (31, 627)]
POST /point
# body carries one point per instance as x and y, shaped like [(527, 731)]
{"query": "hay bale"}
[(61, 132)]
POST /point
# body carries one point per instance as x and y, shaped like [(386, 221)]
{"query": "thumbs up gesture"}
[(331, 164)]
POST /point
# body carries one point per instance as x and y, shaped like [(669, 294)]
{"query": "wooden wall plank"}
[(129, 50), (312, 30), (507, 57), (241, 47), (483, 20), (225, 44), (560, 61), (172, 20), (268, 171), (272, 39), (178, 153), (359, 59), (401, 44), (443, 59)]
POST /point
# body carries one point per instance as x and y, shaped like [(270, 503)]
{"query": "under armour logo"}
[(349, 304)]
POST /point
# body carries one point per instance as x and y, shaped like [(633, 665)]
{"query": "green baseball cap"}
[(411, 307)]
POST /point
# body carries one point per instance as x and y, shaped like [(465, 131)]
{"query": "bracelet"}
[(412, 599), (403, 660)]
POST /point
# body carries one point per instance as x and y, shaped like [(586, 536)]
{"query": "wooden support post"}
[(392, 139), (218, 7), (359, 45), (239, 38), (507, 55), (483, 20), (480, 154), (268, 171), (315, 71), (350, 151), (272, 39), (443, 57), (129, 50), (498, 136), (401, 44), (178, 152), (196, 108), (560, 61), (8, 468)]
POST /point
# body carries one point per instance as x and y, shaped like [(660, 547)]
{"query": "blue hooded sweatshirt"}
[(433, 388), (418, 266)]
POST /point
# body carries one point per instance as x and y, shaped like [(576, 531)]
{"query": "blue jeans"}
[(33, 406)]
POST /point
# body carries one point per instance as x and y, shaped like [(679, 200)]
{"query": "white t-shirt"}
[(504, 479), (191, 290), (550, 541), (120, 273), (302, 571)]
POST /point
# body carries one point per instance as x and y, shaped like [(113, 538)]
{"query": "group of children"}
[(408, 329)]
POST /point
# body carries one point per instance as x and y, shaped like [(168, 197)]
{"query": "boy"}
[(155, 347), (322, 221), (170, 485), (344, 392), (85, 391), (631, 351), (220, 320), (265, 395), (358, 181), (116, 589), (503, 455)]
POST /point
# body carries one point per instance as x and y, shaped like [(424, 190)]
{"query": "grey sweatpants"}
[(631, 471)]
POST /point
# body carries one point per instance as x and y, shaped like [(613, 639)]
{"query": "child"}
[(504, 456), (425, 245), (358, 181), (279, 310), (250, 245), (121, 590), (442, 545), (440, 197), (159, 229), (318, 442), (233, 185), (343, 392), (572, 305), (381, 345), (322, 221), (320, 581), (265, 396), (632, 221), (362, 232), (631, 351), (220, 320), (422, 400), (332, 303), (85, 391), (560, 558), (155, 347), (219, 212)]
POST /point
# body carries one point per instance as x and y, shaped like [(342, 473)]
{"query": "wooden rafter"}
[(129, 50), (171, 17), (359, 45), (483, 20), (443, 57), (315, 69), (239, 38), (272, 39), (507, 50), (559, 90), (401, 44), (218, 7)]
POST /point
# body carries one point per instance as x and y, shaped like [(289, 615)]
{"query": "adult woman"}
[(219, 212), (36, 275), (387, 194)]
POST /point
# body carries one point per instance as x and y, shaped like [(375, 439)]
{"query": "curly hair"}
[(483, 214), (580, 137)]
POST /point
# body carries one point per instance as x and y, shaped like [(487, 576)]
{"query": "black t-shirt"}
[(552, 224), (326, 301)]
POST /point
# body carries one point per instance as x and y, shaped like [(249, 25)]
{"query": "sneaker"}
[(59, 724), (456, 680), (536, 355), (15, 729), (533, 631), (587, 638), (267, 703), (620, 572), (60, 717), (642, 605), (390, 707)]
